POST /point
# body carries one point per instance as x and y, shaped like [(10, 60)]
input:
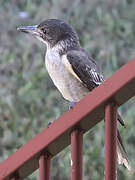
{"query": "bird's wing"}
[(83, 68)]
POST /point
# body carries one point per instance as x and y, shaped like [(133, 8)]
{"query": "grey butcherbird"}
[(73, 72)]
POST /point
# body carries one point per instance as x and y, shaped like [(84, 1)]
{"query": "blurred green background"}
[(28, 98)]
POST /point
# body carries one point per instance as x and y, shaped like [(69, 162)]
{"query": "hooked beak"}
[(34, 30), (29, 29)]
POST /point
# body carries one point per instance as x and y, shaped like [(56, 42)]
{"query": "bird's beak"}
[(29, 29)]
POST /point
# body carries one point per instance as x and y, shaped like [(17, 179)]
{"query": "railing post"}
[(44, 167), (111, 141), (76, 154)]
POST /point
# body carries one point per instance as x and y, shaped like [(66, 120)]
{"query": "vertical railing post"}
[(76, 154), (44, 167), (111, 141)]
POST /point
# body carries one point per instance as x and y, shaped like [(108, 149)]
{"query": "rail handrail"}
[(119, 88)]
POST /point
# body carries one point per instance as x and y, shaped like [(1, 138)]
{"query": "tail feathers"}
[(120, 120), (121, 153)]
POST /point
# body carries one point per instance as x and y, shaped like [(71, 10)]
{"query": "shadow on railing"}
[(70, 127)]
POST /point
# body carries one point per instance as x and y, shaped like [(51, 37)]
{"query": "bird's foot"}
[(49, 123), (72, 105)]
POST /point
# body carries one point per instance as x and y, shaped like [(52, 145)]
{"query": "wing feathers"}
[(83, 68), (69, 67)]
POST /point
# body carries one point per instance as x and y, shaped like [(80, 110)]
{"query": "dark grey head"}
[(51, 32)]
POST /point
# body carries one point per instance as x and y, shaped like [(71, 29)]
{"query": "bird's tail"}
[(121, 153)]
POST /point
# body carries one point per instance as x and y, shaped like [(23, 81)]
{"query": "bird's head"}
[(51, 32)]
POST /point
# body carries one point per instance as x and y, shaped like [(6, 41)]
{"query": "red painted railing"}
[(70, 127)]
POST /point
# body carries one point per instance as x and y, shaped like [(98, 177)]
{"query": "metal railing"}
[(69, 129)]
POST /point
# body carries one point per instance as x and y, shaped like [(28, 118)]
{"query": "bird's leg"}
[(49, 123), (72, 105)]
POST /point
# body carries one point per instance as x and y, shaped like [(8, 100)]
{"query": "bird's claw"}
[(49, 123), (72, 105)]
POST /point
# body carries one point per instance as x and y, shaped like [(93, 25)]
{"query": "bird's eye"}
[(44, 31)]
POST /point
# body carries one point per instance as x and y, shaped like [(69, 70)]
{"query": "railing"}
[(69, 129)]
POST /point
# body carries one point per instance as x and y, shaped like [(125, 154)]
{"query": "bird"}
[(71, 69)]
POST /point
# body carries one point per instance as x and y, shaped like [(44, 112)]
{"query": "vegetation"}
[(28, 98)]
